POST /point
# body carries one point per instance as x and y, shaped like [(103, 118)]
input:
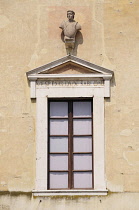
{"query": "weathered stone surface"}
[(113, 201)]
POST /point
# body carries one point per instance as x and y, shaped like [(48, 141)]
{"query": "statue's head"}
[(70, 15)]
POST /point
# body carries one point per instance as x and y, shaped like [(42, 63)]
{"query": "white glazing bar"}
[(41, 141), (99, 167)]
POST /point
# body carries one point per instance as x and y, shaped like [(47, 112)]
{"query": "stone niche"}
[(69, 77)]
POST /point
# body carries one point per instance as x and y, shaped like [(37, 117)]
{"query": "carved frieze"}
[(69, 83)]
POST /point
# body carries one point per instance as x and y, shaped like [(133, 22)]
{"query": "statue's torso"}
[(70, 28)]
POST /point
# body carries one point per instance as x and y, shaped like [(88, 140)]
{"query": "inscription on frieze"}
[(69, 83)]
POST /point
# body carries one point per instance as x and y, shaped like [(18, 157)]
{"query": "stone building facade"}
[(107, 51)]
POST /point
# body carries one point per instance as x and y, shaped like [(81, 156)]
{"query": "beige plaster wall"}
[(120, 201), (30, 37)]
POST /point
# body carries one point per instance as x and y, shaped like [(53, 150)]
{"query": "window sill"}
[(69, 192)]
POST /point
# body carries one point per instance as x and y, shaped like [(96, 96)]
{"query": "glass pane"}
[(58, 162), (58, 144), (82, 144), (81, 109), (82, 161), (58, 109), (82, 127), (58, 180), (59, 127), (82, 179)]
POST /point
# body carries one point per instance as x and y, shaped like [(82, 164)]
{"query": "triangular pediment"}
[(69, 65), (69, 68)]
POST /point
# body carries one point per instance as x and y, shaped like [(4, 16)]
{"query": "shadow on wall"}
[(113, 81), (79, 40), (112, 84)]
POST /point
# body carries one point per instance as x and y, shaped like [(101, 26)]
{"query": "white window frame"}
[(98, 93)]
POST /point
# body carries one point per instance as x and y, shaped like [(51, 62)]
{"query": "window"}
[(70, 141), (70, 150)]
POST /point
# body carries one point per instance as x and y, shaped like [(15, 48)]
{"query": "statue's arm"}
[(78, 27), (62, 25)]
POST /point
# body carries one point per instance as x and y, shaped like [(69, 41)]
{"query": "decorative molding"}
[(58, 76), (68, 83), (42, 73), (69, 192), (69, 59)]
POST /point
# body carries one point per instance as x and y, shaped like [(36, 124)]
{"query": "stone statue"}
[(70, 28)]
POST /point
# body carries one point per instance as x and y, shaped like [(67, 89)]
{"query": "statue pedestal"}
[(69, 43)]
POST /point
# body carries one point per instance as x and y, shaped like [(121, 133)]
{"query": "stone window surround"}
[(97, 93)]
